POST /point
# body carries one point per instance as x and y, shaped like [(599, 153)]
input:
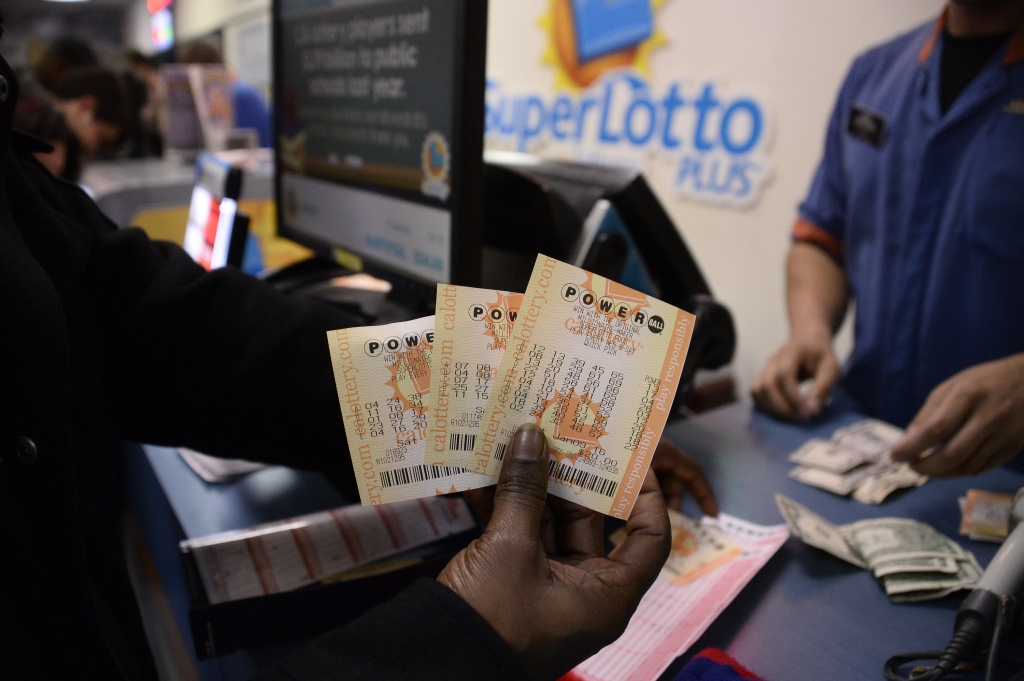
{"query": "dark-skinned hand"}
[(972, 422), (677, 474), (539, 575)]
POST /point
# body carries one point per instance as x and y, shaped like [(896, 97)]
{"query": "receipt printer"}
[(607, 221)]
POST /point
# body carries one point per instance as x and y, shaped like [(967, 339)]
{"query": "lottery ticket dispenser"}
[(607, 221)]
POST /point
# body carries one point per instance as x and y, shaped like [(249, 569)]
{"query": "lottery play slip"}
[(431, 405)]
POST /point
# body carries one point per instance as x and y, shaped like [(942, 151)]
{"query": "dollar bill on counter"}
[(596, 365), (830, 456), (674, 613), (910, 587), (913, 560), (472, 328), (886, 478), (837, 483), (944, 564), (856, 461), (870, 435), (986, 515), (382, 374), (814, 530)]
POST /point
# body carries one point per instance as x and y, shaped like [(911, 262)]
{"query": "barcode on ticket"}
[(499, 452), (461, 443), (581, 478), (404, 476)]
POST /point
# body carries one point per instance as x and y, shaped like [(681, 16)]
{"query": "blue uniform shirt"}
[(926, 213)]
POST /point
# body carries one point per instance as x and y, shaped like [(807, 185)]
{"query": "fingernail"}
[(528, 443)]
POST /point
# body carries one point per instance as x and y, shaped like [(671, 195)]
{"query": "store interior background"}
[(790, 55)]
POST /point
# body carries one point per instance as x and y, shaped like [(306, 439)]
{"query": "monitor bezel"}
[(467, 158)]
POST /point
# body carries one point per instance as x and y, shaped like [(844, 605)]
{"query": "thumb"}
[(521, 495)]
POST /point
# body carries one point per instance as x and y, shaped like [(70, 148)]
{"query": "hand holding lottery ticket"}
[(430, 405), (546, 556)]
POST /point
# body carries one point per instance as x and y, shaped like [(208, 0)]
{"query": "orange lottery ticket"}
[(382, 374), (596, 365), (471, 330)]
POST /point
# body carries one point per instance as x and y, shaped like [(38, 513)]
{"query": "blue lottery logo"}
[(605, 26)]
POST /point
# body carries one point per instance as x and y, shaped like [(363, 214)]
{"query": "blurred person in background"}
[(250, 109), (38, 118), (95, 107), (59, 57), (142, 85)]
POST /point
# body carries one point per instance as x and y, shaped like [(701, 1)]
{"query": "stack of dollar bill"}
[(913, 561), (986, 515), (855, 460)]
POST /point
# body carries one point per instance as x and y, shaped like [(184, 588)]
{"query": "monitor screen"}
[(379, 131), (211, 221)]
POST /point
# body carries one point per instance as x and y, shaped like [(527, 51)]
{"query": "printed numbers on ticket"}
[(383, 377), (596, 365), (472, 327)]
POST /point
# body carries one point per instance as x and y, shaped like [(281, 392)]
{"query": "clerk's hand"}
[(677, 474), (538, 574), (974, 421), (777, 391)]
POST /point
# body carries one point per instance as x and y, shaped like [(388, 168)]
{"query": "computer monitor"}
[(216, 232), (379, 109)]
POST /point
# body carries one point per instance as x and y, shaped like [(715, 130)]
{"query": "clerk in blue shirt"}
[(917, 211)]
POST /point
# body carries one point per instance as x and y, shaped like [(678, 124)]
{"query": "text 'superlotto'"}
[(431, 405)]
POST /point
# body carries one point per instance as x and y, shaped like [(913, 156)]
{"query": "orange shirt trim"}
[(810, 233), (1014, 53)]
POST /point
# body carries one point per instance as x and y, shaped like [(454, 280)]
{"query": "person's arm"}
[(972, 422), (425, 633), (817, 295), (816, 285), (216, 361)]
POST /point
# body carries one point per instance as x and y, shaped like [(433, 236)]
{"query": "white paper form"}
[(671, 618)]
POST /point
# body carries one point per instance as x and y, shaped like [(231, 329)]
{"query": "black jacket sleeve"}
[(216, 361), (425, 633)]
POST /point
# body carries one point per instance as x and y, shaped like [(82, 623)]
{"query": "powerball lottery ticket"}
[(383, 377), (471, 329), (596, 365)]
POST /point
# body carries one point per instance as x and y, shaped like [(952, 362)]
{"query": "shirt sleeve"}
[(822, 215), (426, 633)]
